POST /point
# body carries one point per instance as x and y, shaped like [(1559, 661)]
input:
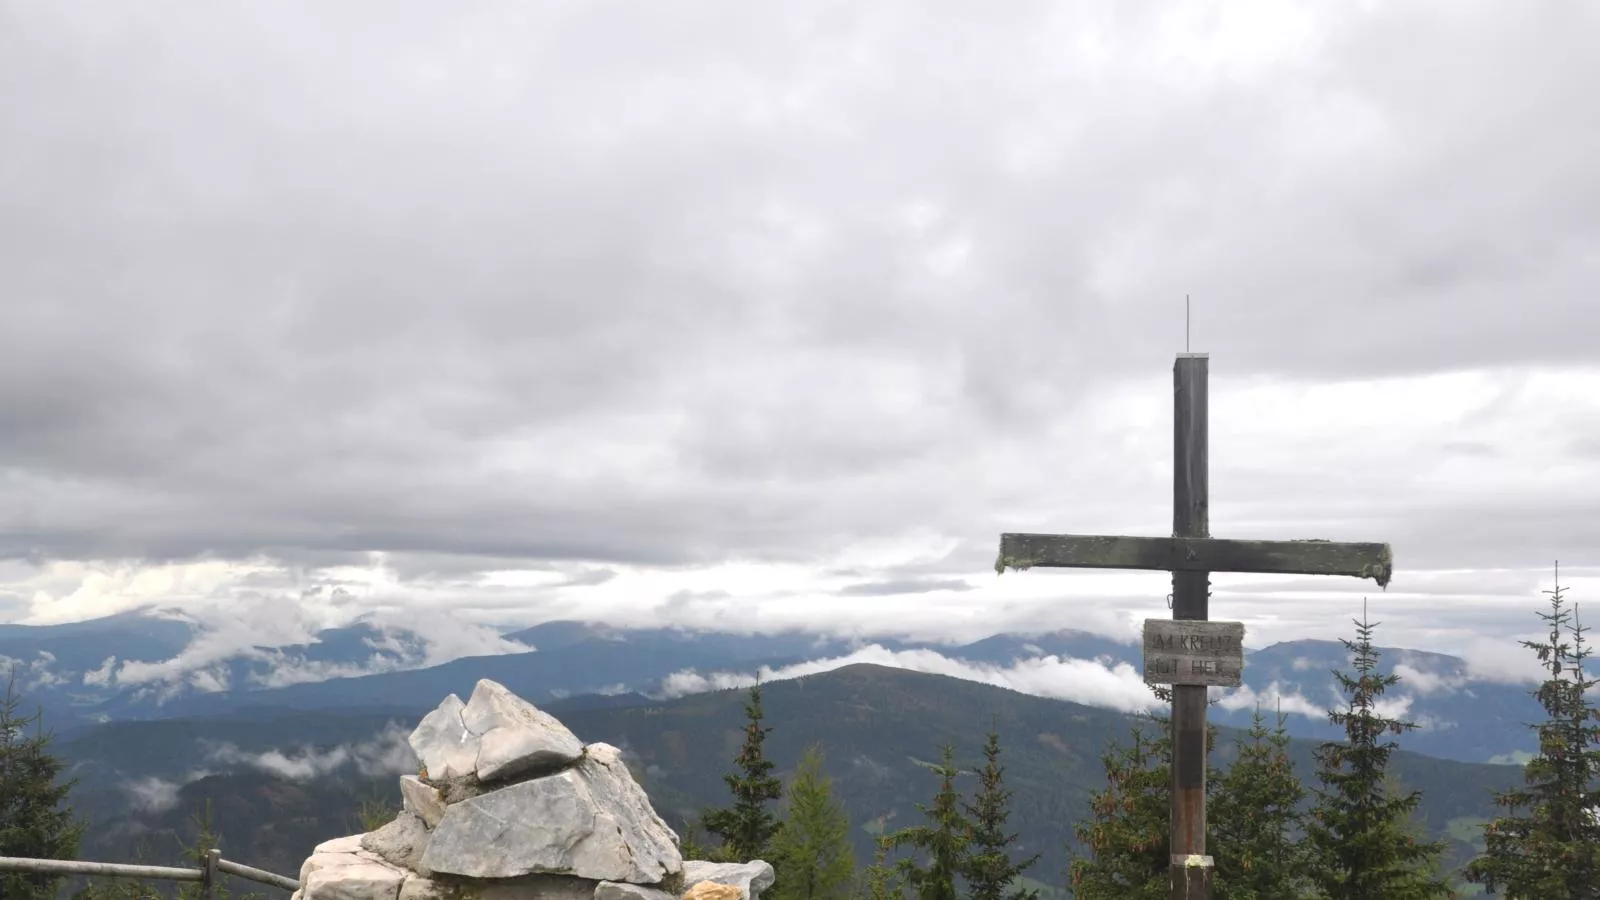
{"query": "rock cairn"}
[(510, 805)]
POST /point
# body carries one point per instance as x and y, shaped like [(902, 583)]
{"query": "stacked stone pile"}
[(510, 805)]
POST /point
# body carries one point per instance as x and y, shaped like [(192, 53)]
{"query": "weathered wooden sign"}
[(1180, 651)]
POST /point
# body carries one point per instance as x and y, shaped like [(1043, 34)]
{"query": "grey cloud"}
[(1467, 448), (1479, 583), (157, 795), (428, 566), (680, 602), (641, 286), (285, 577), (31, 673), (466, 569), (1499, 535), (909, 586), (973, 552), (102, 676), (301, 559), (385, 753), (588, 578)]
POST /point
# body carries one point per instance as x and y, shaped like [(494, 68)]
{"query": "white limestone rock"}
[(514, 736), (352, 878), (443, 743), (592, 820), (753, 877), (348, 844), (336, 852), (400, 843), (424, 800), (494, 736)]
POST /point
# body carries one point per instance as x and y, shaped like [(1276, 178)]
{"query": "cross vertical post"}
[(1189, 651), (1191, 591)]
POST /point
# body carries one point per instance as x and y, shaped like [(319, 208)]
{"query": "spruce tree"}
[(746, 828), (35, 820), (988, 868), (206, 839), (1359, 834), (878, 881), (689, 841), (1546, 845), (942, 839), (1126, 835), (811, 851), (1255, 819)]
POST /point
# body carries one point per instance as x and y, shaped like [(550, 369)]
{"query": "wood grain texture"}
[(1187, 652), (1191, 600), (1098, 551)]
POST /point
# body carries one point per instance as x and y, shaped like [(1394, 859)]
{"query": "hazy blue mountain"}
[(85, 646), (55, 665), (1004, 649), (563, 633), (878, 726), (599, 666), (1458, 716), (72, 670), (571, 658), (62, 668)]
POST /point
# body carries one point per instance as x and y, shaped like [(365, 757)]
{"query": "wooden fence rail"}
[(214, 863)]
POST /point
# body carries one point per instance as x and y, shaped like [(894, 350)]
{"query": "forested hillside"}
[(880, 730)]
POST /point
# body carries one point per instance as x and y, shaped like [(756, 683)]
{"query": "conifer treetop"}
[(1547, 844), (1360, 833)]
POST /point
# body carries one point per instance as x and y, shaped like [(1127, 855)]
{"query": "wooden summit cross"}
[(1188, 651)]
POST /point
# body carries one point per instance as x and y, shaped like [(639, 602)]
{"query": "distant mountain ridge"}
[(879, 727), (78, 672), (367, 664)]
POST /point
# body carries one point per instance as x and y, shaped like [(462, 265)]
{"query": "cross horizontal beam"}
[(1094, 551)]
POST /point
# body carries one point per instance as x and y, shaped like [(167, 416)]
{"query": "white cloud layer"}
[(270, 635), (386, 753), (30, 673), (1094, 682), (712, 315), (153, 794), (1269, 701)]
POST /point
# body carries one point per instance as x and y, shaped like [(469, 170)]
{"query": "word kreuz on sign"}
[(1193, 652), (1202, 643)]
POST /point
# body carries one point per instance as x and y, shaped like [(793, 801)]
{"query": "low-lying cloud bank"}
[(1103, 682), (154, 794), (1274, 698), (1093, 682), (31, 673), (386, 753), (258, 647)]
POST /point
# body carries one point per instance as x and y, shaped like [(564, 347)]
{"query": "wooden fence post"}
[(208, 882)]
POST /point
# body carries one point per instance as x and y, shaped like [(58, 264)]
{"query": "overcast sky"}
[(767, 314)]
